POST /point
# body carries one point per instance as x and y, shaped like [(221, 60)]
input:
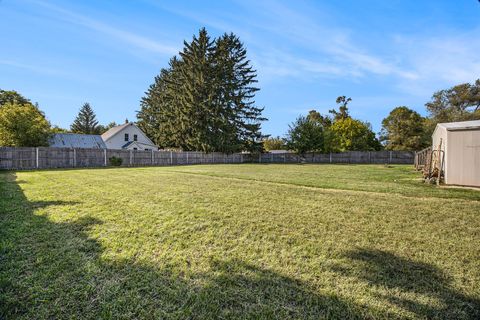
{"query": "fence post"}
[(36, 158), (171, 158), (284, 158), (131, 157), (105, 156), (330, 157), (260, 157), (369, 157), (390, 160), (74, 157), (152, 157)]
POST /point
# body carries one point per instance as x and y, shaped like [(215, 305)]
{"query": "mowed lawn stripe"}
[(400, 179), (150, 242)]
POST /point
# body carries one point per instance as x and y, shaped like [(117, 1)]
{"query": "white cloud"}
[(32, 68), (323, 39), (128, 37), (266, 24), (440, 62)]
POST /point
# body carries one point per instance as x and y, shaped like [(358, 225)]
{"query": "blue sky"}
[(381, 53)]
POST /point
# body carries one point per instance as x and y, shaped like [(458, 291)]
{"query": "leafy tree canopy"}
[(459, 103), (353, 135), (342, 112), (404, 129), (12, 97), (57, 129), (305, 135), (104, 128), (23, 125), (314, 115), (273, 143)]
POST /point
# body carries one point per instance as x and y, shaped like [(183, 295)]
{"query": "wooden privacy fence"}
[(46, 158)]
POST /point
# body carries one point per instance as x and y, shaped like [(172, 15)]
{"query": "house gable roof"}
[(113, 131), (75, 140), (116, 130)]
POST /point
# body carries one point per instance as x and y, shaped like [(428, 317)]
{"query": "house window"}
[(126, 136), (135, 137), (135, 149), (147, 149)]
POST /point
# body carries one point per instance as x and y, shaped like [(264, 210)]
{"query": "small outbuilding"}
[(460, 146), (76, 140)]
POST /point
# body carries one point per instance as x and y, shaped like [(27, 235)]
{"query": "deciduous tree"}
[(353, 135), (342, 112), (305, 135), (273, 143), (404, 129), (459, 103), (23, 125), (12, 97)]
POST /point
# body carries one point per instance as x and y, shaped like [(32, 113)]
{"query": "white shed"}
[(460, 142)]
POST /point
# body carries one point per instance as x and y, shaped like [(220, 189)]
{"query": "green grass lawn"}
[(237, 241)]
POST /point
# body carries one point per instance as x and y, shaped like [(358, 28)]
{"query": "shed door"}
[(463, 158)]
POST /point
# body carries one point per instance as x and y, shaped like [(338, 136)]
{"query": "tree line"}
[(23, 124), (205, 101), (402, 129)]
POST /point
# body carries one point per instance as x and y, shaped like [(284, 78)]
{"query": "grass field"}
[(237, 241)]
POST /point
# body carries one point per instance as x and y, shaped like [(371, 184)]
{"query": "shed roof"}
[(461, 125), (75, 140)]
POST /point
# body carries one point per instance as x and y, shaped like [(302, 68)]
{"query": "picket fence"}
[(12, 158)]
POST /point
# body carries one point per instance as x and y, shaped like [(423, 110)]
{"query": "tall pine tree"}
[(86, 121), (235, 91), (204, 100)]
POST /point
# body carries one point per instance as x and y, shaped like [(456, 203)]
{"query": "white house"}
[(460, 143), (127, 136)]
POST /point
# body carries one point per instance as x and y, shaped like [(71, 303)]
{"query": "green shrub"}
[(115, 161)]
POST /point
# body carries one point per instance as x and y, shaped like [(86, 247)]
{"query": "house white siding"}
[(125, 136)]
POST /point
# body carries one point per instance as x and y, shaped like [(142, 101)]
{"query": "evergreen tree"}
[(195, 95), (204, 99), (235, 81), (86, 121)]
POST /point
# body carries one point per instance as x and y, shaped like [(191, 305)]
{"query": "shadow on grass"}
[(54, 270), (383, 269)]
